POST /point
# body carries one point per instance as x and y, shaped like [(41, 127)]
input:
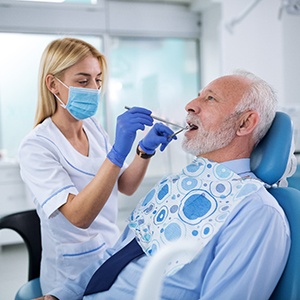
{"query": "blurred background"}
[(160, 54)]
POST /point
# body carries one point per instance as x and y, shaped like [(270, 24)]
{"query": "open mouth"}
[(192, 126)]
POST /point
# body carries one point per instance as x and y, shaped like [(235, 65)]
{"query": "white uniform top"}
[(52, 169)]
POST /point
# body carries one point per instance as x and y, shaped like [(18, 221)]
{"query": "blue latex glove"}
[(127, 125), (158, 135)]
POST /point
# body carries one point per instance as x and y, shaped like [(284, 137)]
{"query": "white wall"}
[(291, 57), (255, 43), (210, 43), (260, 43)]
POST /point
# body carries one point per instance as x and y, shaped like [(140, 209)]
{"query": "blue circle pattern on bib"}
[(191, 205)]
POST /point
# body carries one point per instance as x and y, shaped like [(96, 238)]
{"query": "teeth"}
[(192, 126)]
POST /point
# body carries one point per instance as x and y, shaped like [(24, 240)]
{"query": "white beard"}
[(207, 141)]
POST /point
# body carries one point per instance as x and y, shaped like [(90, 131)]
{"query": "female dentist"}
[(71, 170)]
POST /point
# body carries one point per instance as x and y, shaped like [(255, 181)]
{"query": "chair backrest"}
[(27, 225), (268, 161), (270, 158), (288, 286)]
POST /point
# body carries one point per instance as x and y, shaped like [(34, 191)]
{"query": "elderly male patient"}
[(215, 202)]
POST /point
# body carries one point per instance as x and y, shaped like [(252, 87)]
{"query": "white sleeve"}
[(44, 175)]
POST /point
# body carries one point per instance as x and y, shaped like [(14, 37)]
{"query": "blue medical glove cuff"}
[(145, 149), (116, 158)]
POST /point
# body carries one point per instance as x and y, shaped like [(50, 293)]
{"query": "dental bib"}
[(190, 207)]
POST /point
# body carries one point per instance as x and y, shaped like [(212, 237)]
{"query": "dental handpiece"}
[(182, 129), (163, 120)]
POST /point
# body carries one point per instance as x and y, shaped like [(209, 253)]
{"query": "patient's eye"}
[(210, 98)]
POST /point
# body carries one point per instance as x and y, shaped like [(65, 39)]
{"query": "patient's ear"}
[(248, 122)]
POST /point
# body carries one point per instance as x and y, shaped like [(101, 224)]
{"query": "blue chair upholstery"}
[(273, 150), (294, 181), (288, 287), (30, 290), (268, 161)]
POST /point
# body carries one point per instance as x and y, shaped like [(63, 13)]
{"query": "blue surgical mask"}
[(82, 102)]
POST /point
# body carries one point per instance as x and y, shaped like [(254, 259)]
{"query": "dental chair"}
[(269, 161), (27, 225)]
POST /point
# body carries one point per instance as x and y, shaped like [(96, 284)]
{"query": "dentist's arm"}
[(83, 208)]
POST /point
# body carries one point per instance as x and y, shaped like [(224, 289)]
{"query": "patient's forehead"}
[(229, 88)]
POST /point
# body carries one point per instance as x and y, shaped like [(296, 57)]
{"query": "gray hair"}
[(259, 97)]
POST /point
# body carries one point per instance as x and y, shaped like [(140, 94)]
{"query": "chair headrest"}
[(270, 158)]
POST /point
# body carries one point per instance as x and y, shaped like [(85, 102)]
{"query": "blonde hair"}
[(58, 56)]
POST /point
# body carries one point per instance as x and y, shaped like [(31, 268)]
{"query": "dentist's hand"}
[(127, 125), (158, 135)]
